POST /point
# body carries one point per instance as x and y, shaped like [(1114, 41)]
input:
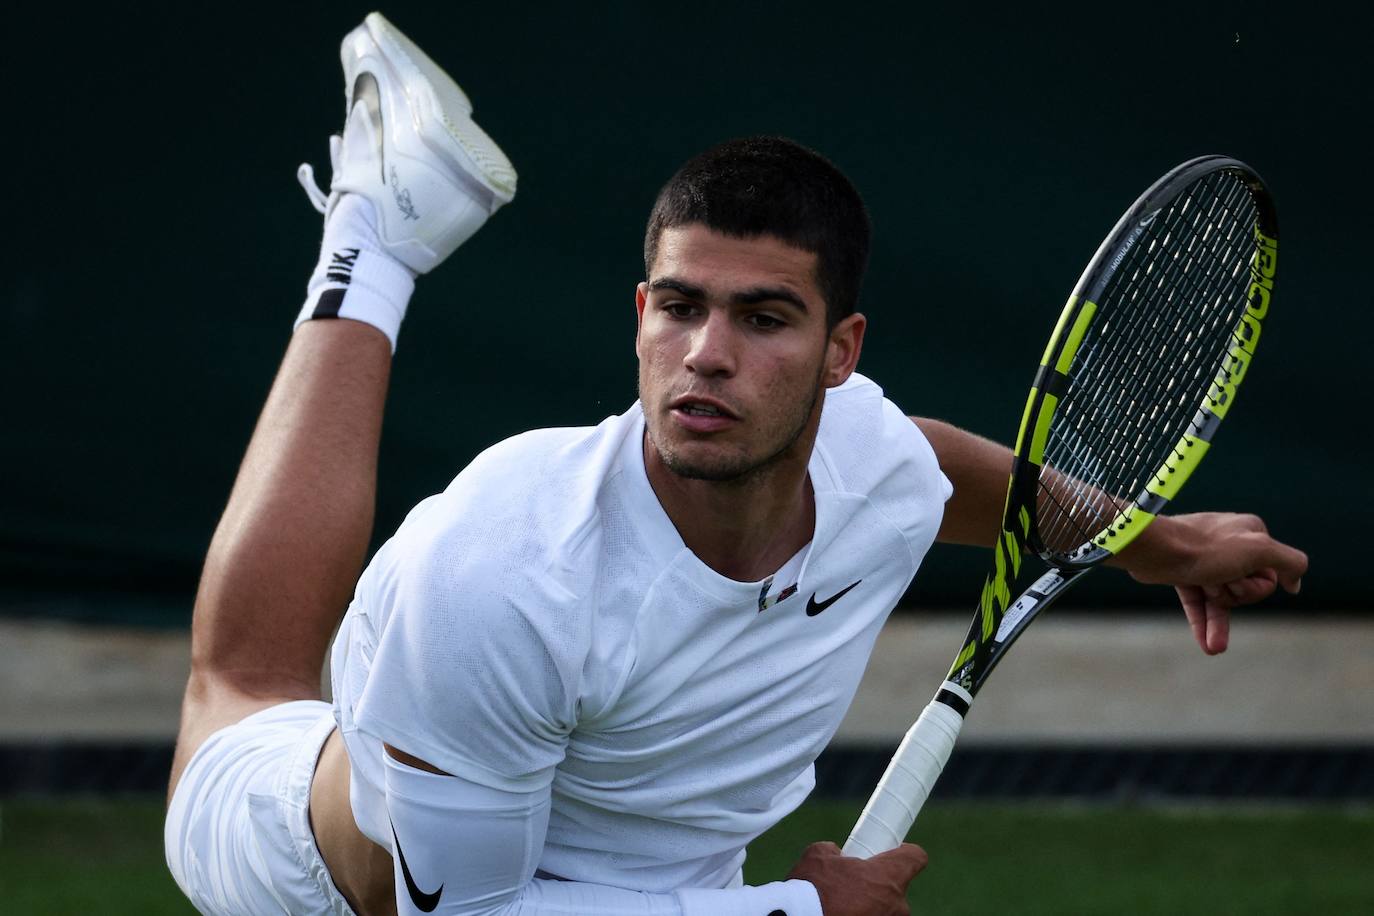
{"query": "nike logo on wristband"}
[(814, 607), (425, 903)]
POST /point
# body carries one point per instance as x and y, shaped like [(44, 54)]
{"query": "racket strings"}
[(1081, 502), (1216, 291), (1083, 498), (1088, 508), (1164, 325)]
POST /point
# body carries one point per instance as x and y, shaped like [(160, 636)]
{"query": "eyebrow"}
[(751, 296)]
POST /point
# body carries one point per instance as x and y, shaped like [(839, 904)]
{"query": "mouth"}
[(696, 406), (701, 414)]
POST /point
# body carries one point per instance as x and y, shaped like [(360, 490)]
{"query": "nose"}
[(711, 351)]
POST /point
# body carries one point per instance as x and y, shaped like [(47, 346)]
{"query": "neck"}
[(743, 529)]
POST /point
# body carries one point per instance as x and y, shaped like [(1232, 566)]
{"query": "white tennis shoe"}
[(410, 147)]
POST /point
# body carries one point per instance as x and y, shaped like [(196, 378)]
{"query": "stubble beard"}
[(742, 471)]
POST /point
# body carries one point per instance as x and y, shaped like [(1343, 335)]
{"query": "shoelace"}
[(305, 174)]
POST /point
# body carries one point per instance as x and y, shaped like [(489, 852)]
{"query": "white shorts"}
[(238, 829)]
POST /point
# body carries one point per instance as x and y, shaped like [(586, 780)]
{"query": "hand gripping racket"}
[(1140, 371)]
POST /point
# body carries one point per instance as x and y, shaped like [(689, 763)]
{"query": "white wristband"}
[(793, 898)]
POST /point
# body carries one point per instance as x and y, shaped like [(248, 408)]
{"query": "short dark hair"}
[(757, 186)]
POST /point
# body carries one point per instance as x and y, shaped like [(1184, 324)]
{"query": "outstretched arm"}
[(978, 468), (1215, 560)]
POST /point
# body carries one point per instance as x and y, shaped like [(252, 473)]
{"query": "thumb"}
[(908, 858)]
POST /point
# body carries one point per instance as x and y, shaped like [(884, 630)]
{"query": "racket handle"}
[(906, 785)]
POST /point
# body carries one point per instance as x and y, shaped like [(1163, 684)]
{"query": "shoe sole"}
[(435, 97)]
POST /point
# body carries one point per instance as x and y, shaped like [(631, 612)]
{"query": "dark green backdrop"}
[(159, 245)]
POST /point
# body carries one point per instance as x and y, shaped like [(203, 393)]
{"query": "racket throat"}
[(980, 657), (955, 697)]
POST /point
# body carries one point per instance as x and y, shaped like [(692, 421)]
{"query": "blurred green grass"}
[(84, 856), (1043, 859)]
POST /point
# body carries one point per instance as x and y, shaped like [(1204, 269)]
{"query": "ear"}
[(641, 300), (842, 350)]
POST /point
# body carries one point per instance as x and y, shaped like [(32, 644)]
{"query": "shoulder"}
[(538, 466), (507, 551), (529, 498), (482, 606), (873, 452), (868, 438)]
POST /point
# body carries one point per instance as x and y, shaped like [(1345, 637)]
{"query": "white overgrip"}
[(906, 785)]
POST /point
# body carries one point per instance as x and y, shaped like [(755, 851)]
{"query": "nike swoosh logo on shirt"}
[(814, 607), (425, 903)]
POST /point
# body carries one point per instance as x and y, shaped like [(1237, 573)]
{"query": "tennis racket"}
[(1141, 369)]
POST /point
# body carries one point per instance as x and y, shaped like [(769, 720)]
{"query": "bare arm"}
[(1215, 560), (978, 468)]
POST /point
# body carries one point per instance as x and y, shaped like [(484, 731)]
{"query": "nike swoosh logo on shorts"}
[(425, 903), (814, 607)]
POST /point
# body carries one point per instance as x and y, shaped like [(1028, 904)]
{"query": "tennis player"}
[(585, 676)]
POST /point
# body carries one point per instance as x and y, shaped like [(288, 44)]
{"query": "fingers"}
[(1195, 609), (1252, 588), (1209, 615), (851, 886), (1218, 628), (822, 851), (1248, 568), (1287, 563), (1232, 561), (909, 858), (1216, 620), (1215, 548)]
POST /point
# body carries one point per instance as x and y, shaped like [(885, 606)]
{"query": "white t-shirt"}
[(541, 623)]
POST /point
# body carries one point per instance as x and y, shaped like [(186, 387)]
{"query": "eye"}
[(765, 322), (678, 309)]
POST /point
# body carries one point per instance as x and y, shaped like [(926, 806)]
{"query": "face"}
[(734, 354)]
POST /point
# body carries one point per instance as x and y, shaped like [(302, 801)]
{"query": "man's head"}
[(759, 186), (754, 255)]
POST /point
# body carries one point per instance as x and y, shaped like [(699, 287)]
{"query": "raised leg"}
[(291, 543), (293, 538)]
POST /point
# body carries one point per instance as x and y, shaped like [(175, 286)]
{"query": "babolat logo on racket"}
[(1247, 331), (1262, 274)]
